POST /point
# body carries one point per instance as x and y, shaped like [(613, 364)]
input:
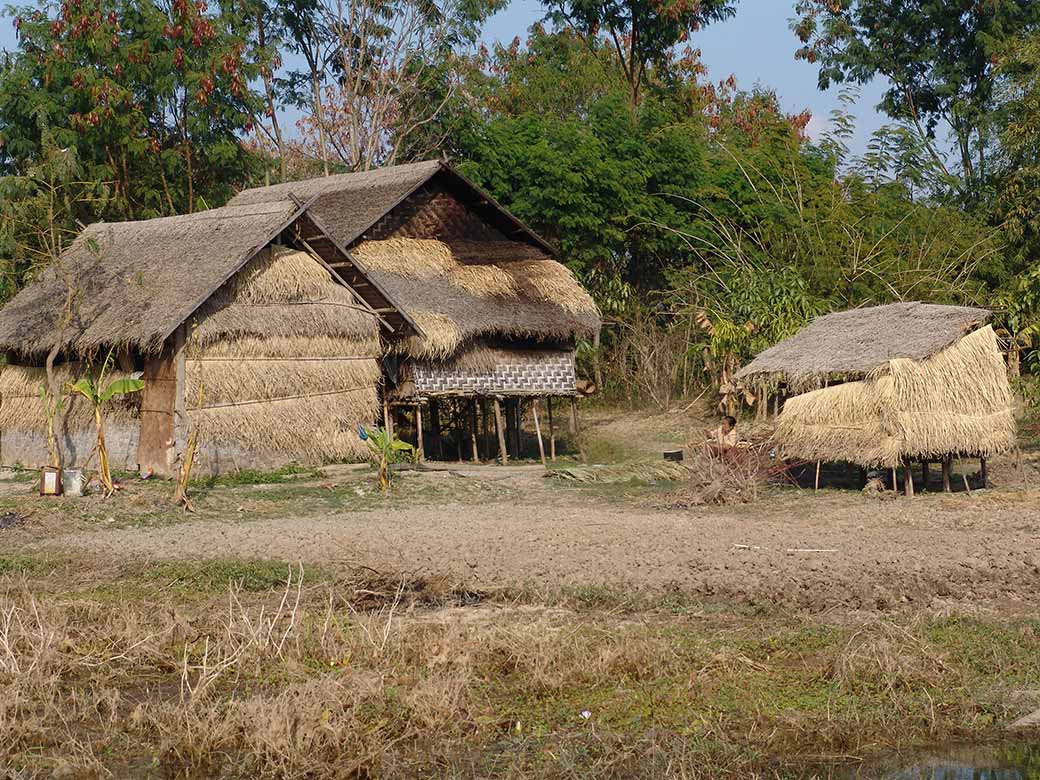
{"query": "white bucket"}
[(72, 482)]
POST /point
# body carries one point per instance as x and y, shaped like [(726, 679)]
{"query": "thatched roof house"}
[(907, 381), (275, 325), (494, 312)]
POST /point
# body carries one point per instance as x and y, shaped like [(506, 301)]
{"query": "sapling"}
[(98, 394)]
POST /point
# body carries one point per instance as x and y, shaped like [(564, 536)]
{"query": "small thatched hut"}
[(277, 324), (888, 385), (235, 328)]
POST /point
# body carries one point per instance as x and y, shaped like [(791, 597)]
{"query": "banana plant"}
[(386, 449), (98, 394)]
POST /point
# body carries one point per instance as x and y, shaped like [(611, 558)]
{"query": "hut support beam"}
[(983, 472), (925, 469), (518, 427), (538, 432), (575, 429), (500, 426), (552, 430), (908, 477), (473, 430), (946, 468), (419, 434)]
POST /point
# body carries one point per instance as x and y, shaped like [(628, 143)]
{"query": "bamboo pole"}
[(419, 433), (908, 476), (552, 431), (500, 427), (946, 468), (895, 482), (473, 431), (575, 429), (925, 469), (817, 488), (388, 424), (983, 472), (538, 432)]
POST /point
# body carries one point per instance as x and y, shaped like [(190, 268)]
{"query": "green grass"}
[(288, 473), (218, 574)]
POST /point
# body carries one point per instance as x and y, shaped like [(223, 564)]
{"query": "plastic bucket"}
[(72, 482)]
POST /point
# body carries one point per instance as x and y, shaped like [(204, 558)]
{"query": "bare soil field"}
[(793, 548)]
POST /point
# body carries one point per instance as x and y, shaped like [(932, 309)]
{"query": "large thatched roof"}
[(954, 402), (352, 203), (136, 282), (523, 294), (851, 344)]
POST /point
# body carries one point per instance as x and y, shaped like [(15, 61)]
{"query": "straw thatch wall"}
[(23, 423), (958, 401), (455, 303), (282, 365)]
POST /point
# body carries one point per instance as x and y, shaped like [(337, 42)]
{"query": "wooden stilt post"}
[(435, 429), (908, 477), (419, 433), (500, 426), (575, 429), (947, 465), (486, 429), (895, 483), (925, 468), (538, 432), (983, 472), (552, 431), (518, 427), (473, 430), (817, 488)]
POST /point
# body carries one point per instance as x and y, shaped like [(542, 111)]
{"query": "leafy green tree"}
[(153, 96), (939, 58), (643, 33)]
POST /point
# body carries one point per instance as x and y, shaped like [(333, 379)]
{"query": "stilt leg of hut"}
[(538, 432), (518, 428), (575, 429), (419, 434), (485, 429), (946, 468), (983, 472), (817, 488), (500, 426), (436, 444), (473, 430), (552, 431), (925, 468), (895, 483), (908, 477)]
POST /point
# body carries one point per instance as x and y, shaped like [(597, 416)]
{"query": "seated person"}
[(723, 438)]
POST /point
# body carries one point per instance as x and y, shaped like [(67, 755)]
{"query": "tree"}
[(643, 33), (939, 57), (153, 97)]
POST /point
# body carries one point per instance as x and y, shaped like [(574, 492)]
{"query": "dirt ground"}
[(794, 548)]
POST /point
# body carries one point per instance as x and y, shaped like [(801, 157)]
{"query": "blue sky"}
[(756, 46)]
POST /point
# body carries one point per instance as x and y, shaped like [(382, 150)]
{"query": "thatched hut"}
[(236, 329), (888, 385), (495, 318), (277, 324)]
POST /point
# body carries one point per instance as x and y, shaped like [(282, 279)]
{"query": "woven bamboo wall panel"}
[(539, 374), (432, 212)]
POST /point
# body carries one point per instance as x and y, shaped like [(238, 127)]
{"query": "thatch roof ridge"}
[(351, 203), (137, 281), (855, 342)]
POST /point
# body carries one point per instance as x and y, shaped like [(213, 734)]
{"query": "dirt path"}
[(815, 552)]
